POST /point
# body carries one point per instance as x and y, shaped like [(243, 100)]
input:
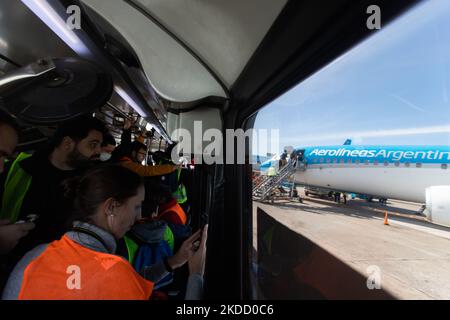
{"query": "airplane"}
[(257, 160), (409, 173)]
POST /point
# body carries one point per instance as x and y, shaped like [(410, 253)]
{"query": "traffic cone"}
[(386, 223)]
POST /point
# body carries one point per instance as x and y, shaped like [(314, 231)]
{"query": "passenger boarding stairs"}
[(263, 188)]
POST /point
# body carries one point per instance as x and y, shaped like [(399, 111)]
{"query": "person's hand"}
[(197, 256), (127, 124), (10, 234), (182, 255)]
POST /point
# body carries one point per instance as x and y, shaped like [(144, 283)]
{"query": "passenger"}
[(10, 233), (83, 264), (337, 197), (125, 141), (108, 147), (300, 157), (132, 154), (175, 180), (136, 155), (283, 159), (32, 184), (293, 158), (167, 207), (172, 212)]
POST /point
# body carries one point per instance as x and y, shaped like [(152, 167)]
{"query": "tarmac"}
[(413, 255)]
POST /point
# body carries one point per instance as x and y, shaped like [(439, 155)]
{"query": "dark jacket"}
[(45, 197), (123, 149)]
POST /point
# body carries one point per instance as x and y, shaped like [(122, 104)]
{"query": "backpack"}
[(152, 247), (180, 233), (151, 253)]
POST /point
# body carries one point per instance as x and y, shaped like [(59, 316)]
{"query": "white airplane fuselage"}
[(407, 184), (397, 172)]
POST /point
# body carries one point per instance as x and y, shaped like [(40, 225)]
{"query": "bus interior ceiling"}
[(26, 39), (178, 65)]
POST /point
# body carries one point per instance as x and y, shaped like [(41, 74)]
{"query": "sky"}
[(391, 89)]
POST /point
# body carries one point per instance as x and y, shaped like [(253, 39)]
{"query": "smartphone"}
[(29, 218), (196, 243), (32, 217)]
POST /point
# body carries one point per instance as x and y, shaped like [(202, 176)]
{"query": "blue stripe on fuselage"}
[(391, 154)]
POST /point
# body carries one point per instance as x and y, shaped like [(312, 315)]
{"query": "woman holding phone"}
[(83, 263)]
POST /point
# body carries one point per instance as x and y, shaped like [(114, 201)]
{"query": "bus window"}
[(155, 72), (382, 106)]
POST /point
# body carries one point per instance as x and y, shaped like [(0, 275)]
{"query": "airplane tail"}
[(347, 142)]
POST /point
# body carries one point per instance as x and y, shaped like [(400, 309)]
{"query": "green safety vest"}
[(133, 247), (168, 237), (271, 172), (16, 187)]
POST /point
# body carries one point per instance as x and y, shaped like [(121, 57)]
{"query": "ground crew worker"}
[(32, 184), (337, 197), (83, 264), (271, 171), (283, 159)]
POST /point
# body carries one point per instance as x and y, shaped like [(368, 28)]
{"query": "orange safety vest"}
[(68, 271), (177, 209), (146, 171)]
